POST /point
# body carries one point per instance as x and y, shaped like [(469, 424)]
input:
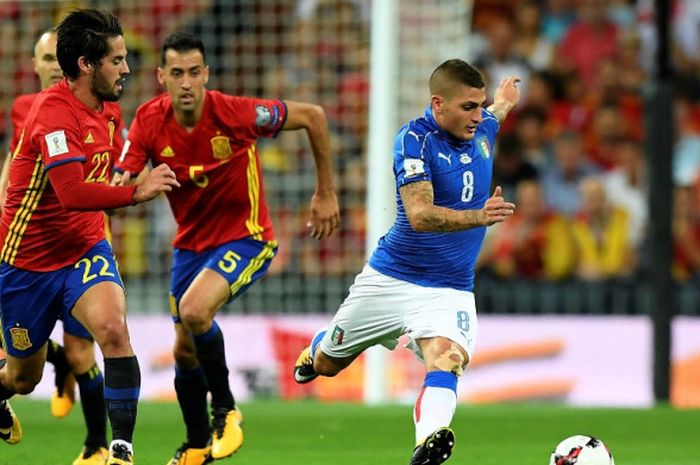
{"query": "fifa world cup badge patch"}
[(221, 147), (484, 148), (337, 335), (20, 338), (56, 143), (413, 167), (263, 117)]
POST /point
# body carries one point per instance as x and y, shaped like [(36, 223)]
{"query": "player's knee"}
[(113, 338), (25, 383), (194, 317), (450, 357)]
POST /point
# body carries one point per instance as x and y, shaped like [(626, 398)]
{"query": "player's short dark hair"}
[(84, 32), (451, 72), (182, 42)]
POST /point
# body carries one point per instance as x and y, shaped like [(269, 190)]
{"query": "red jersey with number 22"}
[(221, 196), (36, 231)]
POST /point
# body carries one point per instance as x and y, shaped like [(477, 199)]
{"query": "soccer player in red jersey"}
[(77, 361), (54, 257), (224, 240), (49, 72)]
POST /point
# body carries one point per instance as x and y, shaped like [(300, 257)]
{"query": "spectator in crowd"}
[(590, 39), (686, 152), (509, 165), (628, 58), (686, 235), (686, 29), (542, 92), (535, 243), (529, 44), (572, 109), (530, 128), (501, 59), (601, 235), (626, 186), (608, 90), (558, 17), (621, 12), (606, 127), (560, 180)]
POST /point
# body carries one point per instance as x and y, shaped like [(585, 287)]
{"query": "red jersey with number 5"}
[(221, 196), (36, 231)]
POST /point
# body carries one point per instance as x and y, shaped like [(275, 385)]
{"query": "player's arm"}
[(325, 213), (417, 198), (76, 194), (507, 95)]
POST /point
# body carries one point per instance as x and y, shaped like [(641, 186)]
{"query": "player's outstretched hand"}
[(507, 92), (325, 214), (160, 179), (496, 208)]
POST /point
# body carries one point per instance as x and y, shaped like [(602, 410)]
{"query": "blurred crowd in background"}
[(571, 155)]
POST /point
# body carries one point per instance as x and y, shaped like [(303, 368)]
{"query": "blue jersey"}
[(460, 172)]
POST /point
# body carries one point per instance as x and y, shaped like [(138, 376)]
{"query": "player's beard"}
[(104, 89)]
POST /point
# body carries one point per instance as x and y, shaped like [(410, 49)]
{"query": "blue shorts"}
[(31, 301), (240, 262)]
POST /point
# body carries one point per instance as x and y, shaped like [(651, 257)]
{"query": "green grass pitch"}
[(305, 433)]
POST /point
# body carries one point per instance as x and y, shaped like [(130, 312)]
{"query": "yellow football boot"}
[(227, 434), (10, 428), (191, 456), (304, 367), (62, 400), (92, 456)]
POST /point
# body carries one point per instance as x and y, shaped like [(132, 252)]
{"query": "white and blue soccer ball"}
[(581, 450)]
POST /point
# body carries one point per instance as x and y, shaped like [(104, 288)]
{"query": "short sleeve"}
[(261, 117), (410, 164), (489, 126)]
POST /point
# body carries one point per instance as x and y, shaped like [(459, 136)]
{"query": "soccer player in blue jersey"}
[(420, 278)]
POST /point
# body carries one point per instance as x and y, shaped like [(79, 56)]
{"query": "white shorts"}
[(379, 309)]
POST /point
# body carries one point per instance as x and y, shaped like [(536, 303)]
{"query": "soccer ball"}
[(581, 450)]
